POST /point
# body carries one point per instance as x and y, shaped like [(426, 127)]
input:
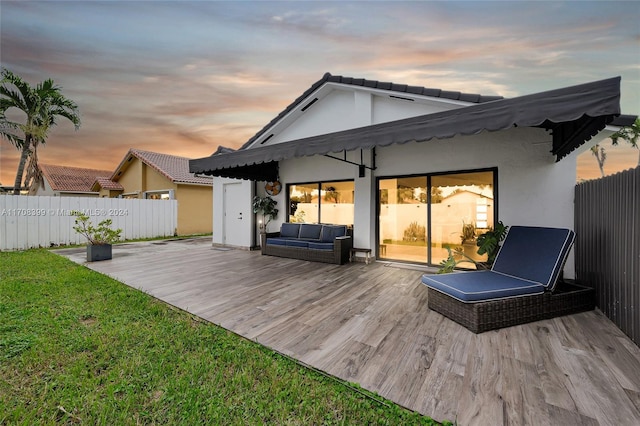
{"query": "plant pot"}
[(470, 249), (98, 252)]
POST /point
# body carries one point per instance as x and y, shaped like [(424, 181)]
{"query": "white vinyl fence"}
[(27, 222)]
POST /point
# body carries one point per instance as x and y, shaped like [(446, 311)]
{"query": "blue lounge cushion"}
[(321, 246), (534, 254), (296, 243), (478, 286), (310, 231), (331, 232), (290, 230), (529, 262)]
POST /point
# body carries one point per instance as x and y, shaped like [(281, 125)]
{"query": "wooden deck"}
[(370, 324)]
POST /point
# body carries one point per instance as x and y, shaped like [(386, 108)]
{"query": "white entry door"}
[(237, 218)]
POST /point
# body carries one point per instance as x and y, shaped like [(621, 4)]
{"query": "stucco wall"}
[(195, 212), (154, 181), (45, 189), (131, 178), (109, 193), (344, 109), (532, 188)]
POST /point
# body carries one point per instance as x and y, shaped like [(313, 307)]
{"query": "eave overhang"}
[(573, 114)]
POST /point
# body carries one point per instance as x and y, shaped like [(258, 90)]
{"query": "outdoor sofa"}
[(523, 285), (309, 241)]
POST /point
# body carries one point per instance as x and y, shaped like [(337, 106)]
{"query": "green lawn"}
[(79, 347)]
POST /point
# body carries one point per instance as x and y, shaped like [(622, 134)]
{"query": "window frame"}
[(319, 184), (493, 170)]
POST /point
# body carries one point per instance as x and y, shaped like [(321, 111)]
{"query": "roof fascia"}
[(206, 185), (124, 164)]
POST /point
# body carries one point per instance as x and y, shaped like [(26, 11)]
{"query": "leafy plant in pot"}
[(267, 207), (488, 243), (468, 239), (99, 238)]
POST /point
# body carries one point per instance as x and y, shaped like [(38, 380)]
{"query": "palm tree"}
[(600, 155), (42, 105)]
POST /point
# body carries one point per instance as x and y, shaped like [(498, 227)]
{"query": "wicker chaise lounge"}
[(522, 286)]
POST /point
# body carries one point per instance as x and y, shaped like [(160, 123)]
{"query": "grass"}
[(79, 347)]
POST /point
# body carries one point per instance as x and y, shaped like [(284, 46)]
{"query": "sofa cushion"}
[(330, 232), (290, 230), (277, 241), (296, 243), (310, 231), (321, 246), (478, 286)]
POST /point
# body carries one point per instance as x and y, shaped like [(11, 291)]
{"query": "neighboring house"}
[(67, 181), (151, 175), (364, 153)]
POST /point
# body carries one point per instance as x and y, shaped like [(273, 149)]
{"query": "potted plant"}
[(267, 207), (99, 238), (468, 239), (487, 243)]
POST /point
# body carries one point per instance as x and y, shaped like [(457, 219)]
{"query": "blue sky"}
[(182, 77)]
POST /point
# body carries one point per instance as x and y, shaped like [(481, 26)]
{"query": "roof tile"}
[(71, 179), (173, 167), (106, 183)]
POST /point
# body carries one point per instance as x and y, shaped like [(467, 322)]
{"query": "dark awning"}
[(573, 114)]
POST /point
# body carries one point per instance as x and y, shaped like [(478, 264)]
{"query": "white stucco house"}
[(385, 158)]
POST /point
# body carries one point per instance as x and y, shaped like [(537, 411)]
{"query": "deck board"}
[(370, 324)]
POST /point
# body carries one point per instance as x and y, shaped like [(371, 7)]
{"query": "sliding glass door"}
[(403, 218), (416, 227)]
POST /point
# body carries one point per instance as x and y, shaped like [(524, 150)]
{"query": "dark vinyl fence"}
[(607, 248)]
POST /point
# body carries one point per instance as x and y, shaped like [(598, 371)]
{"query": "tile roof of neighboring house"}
[(173, 167), (71, 179), (106, 183), (374, 84)]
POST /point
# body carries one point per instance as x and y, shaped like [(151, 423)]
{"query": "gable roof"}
[(573, 114), (71, 179), (106, 183), (371, 84), (173, 167)]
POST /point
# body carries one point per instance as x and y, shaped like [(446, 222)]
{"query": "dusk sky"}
[(182, 77)]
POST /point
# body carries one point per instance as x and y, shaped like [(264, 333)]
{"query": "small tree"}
[(267, 207), (95, 235), (629, 134)]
